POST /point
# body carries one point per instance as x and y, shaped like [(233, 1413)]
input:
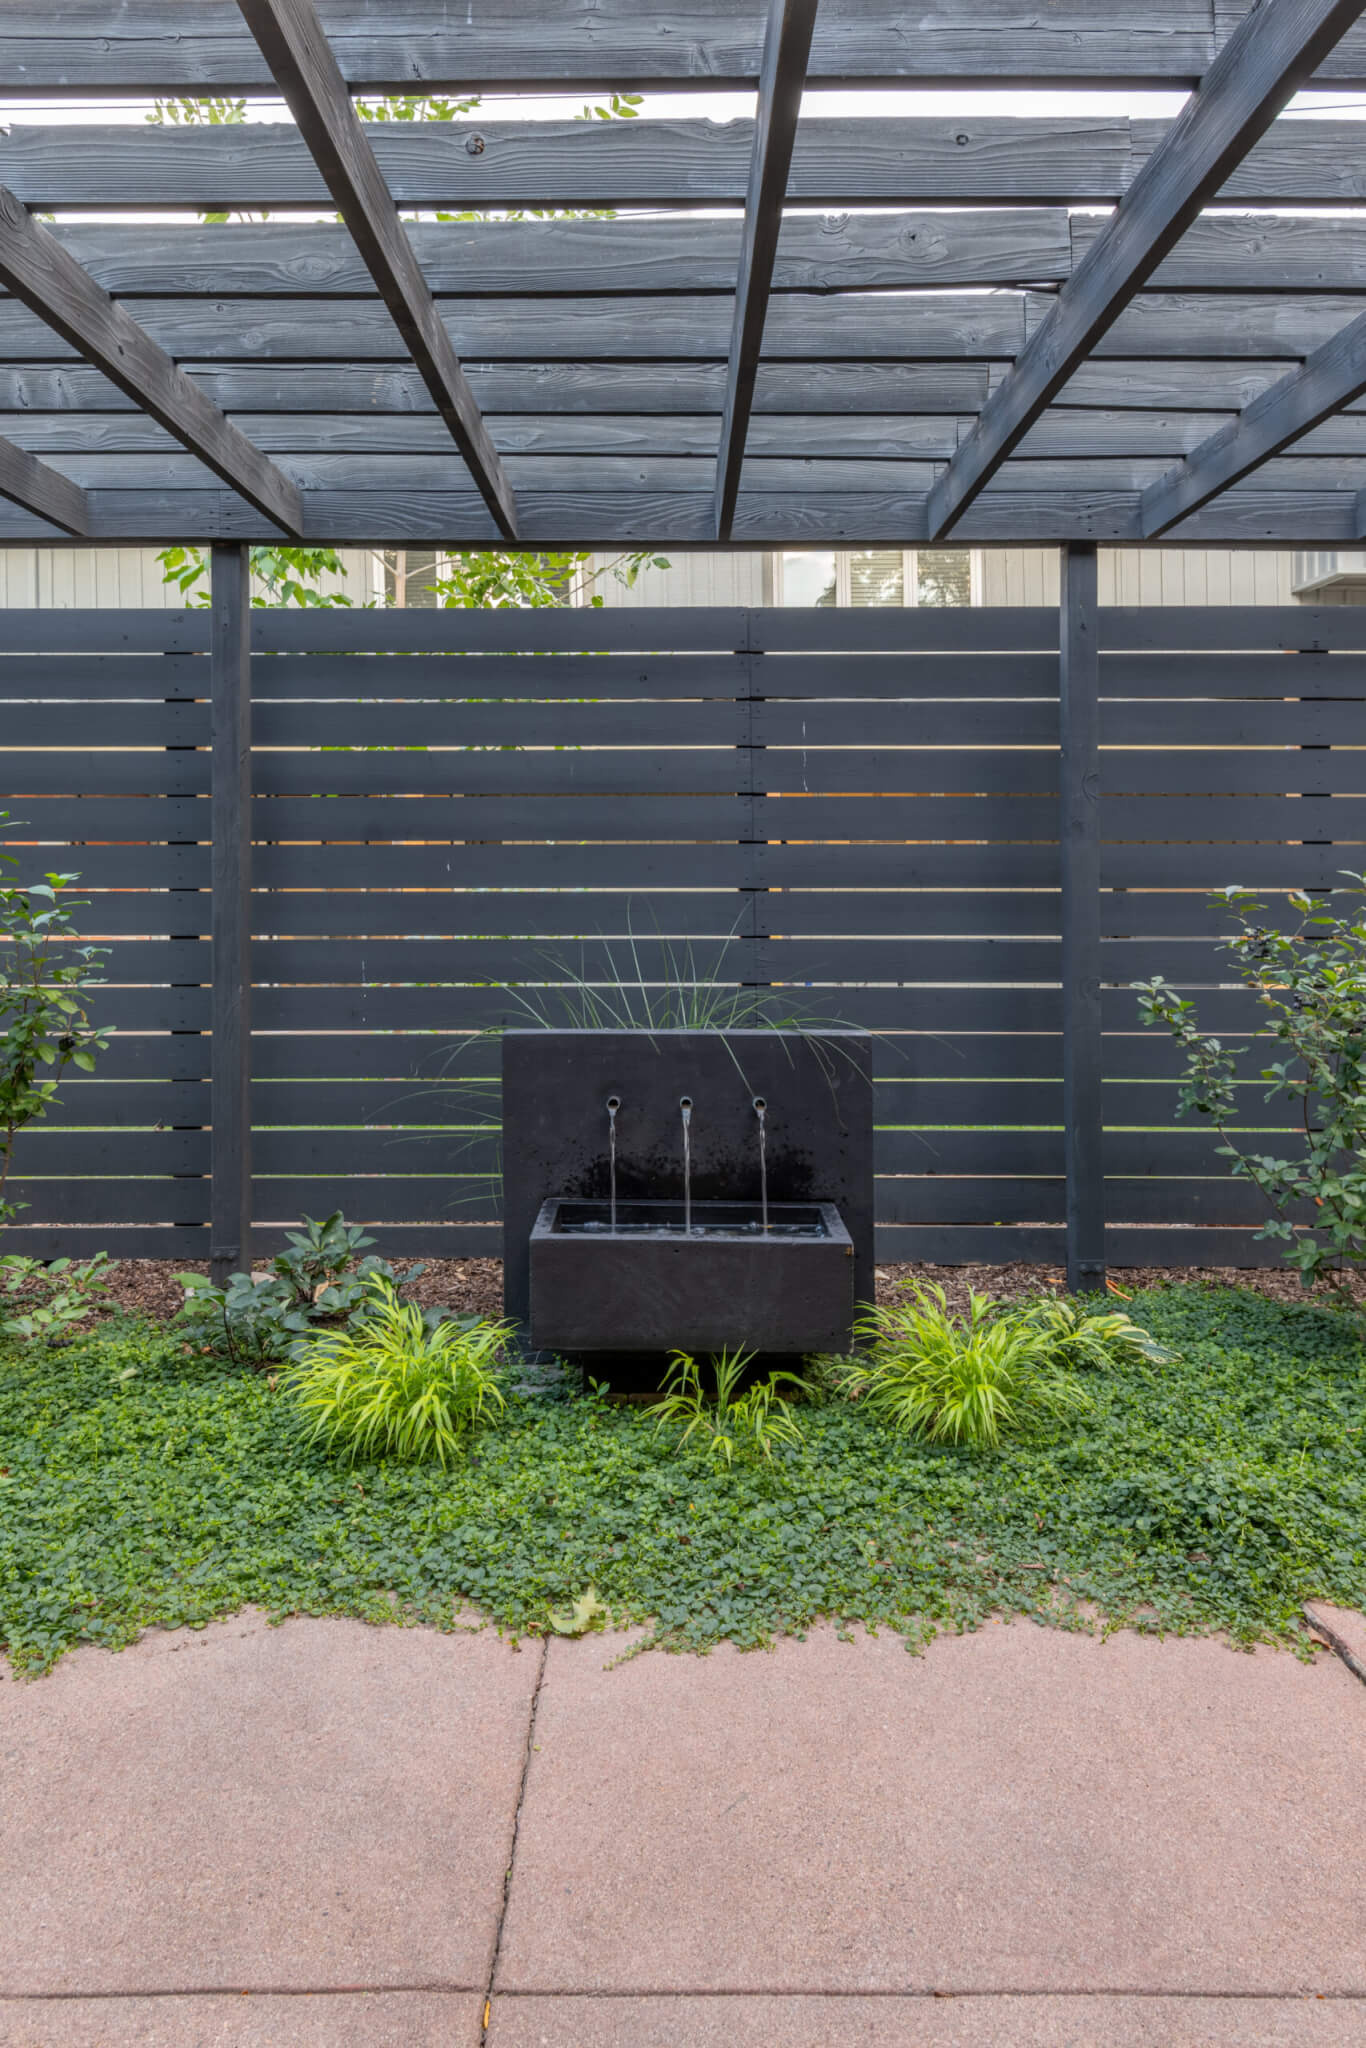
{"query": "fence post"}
[(1079, 851), (230, 876)]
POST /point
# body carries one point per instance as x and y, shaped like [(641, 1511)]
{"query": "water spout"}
[(685, 1105), (761, 1111), (613, 1105)]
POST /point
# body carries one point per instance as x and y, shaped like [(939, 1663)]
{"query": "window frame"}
[(910, 575)]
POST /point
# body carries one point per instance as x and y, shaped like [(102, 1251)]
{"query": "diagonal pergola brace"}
[(52, 284), (1272, 52), (39, 488), (787, 47), (1329, 379), (304, 67)]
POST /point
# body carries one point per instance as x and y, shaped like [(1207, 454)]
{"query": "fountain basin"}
[(651, 1287)]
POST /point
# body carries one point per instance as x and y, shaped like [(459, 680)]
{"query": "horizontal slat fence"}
[(464, 821)]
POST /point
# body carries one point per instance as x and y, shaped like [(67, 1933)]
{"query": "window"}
[(865, 576), (408, 576)]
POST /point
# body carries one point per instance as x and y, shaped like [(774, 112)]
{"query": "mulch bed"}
[(475, 1286)]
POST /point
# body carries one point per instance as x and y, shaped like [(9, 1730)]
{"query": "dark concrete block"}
[(790, 1290), (818, 1095)]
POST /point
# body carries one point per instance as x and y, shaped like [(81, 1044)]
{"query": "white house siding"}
[(744, 579), (1010, 576), (117, 577)]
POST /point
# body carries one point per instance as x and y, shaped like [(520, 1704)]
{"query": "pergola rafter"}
[(786, 49), (960, 350), (306, 72), (38, 488), (1265, 61), (1332, 377), (40, 272)]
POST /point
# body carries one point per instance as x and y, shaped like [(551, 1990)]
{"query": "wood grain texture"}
[(52, 285), (1000, 245), (1274, 49), (303, 66), (705, 44), (36, 487), (1332, 377), (787, 45), (910, 161), (150, 44)]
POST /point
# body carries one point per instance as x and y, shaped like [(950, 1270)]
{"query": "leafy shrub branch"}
[(1310, 980), (45, 1026)]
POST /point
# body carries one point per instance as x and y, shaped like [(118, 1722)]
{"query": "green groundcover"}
[(144, 1484)]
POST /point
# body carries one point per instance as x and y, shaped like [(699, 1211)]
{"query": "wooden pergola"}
[(793, 329), (957, 352)]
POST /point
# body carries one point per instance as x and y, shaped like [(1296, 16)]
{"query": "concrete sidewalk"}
[(347, 1837)]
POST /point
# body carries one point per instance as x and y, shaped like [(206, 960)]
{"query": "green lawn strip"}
[(1216, 1493)]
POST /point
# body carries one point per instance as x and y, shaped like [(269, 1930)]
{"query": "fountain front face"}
[(691, 1189), (698, 1279)]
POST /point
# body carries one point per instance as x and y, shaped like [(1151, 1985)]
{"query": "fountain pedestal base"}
[(648, 1287)]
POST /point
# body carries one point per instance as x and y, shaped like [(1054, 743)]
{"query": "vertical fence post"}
[(230, 875), (1079, 851)]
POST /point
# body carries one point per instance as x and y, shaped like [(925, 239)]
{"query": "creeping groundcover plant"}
[(147, 1480)]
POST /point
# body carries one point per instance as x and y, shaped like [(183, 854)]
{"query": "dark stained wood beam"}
[(52, 284), (1269, 56), (1049, 510), (473, 165), (39, 488), (145, 46), (303, 66), (1332, 377), (787, 45)]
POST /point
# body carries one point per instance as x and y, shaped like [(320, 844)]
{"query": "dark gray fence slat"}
[(1249, 674), (310, 679), (635, 631), (1259, 629), (75, 769), (581, 723), (491, 818), (710, 914), (510, 868), (120, 1240), (591, 771)]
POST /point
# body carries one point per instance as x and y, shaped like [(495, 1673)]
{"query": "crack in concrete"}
[(487, 2014)]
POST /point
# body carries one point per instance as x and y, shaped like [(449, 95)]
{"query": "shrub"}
[(389, 1385), (726, 1424), (312, 1285), (969, 1382), (44, 1024), (49, 1299), (1311, 982)]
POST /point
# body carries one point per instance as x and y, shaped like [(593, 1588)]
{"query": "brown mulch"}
[(1020, 1281), (475, 1286), (151, 1287)]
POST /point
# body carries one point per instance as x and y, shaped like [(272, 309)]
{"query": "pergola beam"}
[(52, 284), (39, 488), (1331, 378), (303, 65), (787, 46), (1273, 51), (149, 46)]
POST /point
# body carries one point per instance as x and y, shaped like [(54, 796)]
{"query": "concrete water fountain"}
[(687, 1189)]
